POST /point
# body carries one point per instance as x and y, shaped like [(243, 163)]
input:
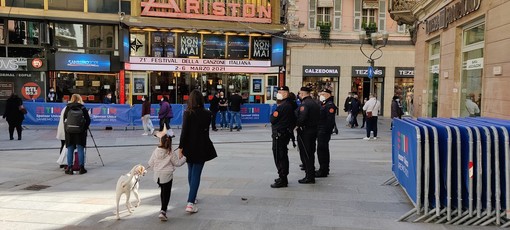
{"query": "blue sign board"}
[(82, 62), (370, 72)]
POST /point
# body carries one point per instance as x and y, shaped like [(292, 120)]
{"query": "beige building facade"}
[(337, 63), (462, 63)]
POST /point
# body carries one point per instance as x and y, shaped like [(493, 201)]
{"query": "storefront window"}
[(319, 83), (92, 87), (36, 4), (69, 5), (103, 6), (472, 70), (404, 88), (434, 57), (69, 35), (138, 45), (23, 32), (25, 52)]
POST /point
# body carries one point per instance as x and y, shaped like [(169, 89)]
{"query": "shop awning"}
[(170, 23)]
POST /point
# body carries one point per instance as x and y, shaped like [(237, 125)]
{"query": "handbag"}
[(22, 109)]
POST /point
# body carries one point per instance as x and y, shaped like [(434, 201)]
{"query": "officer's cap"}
[(325, 90), (307, 89), (283, 88)]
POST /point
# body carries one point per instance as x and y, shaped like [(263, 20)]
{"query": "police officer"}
[(282, 123), (326, 126), (308, 115)]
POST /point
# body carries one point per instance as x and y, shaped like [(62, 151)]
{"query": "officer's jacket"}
[(283, 118), (308, 114), (327, 115)]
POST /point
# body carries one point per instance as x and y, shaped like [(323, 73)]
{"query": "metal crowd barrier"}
[(454, 171)]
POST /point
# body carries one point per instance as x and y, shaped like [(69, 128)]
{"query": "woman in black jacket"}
[(195, 144), (76, 140), (14, 115)]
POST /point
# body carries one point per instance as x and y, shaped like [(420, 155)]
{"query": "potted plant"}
[(324, 29), (369, 28)]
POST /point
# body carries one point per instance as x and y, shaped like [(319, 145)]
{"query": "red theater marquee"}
[(210, 10)]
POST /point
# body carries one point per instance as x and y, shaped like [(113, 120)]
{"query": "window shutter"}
[(382, 15), (337, 15), (312, 14), (357, 15)]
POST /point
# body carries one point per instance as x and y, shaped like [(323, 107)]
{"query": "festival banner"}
[(261, 48), (238, 47), (188, 45), (213, 46)]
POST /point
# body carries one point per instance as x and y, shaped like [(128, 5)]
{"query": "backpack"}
[(75, 121)]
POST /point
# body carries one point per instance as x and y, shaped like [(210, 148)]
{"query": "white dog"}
[(127, 183)]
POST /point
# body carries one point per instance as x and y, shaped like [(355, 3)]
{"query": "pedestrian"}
[(223, 105), (372, 107), (14, 114), (61, 134), (282, 123), (347, 107), (214, 107), (308, 115), (108, 99), (355, 108), (165, 114), (235, 101), (325, 129), (195, 144), (164, 161), (148, 127), (363, 113), (76, 124), (52, 95), (396, 110), (471, 107)]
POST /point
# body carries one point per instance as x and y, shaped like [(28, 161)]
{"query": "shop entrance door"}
[(361, 87)]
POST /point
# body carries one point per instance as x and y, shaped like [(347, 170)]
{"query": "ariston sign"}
[(209, 10)]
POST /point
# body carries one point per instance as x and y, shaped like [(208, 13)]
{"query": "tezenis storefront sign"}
[(221, 11)]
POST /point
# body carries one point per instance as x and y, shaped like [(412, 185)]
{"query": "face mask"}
[(143, 99), (52, 90), (109, 97), (279, 96), (322, 98), (162, 99), (221, 96), (397, 100)]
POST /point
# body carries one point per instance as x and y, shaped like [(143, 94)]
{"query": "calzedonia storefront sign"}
[(321, 71), (451, 13), (239, 11)]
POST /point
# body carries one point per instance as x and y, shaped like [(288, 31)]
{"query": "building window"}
[(70, 5), (36, 4), (472, 70), (369, 16), (103, 6), (404, 28), (323, 14), (23, 32), (69, 35), (433, 88)]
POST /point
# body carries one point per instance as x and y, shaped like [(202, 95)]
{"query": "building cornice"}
[(58, 15)]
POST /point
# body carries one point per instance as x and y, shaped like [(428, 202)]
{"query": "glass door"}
[(434, 58)]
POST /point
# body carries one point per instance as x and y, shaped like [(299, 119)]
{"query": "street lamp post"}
[(374, 37)]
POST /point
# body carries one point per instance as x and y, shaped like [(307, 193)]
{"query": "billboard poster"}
[(261, 48), (169, 41), (189, 45), (213, 46), (238, 47), (277, 52), (82, 62)]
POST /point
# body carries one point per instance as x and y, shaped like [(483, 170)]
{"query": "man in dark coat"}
[(165, 114), (235, 101), (355, 108), (214, 107), (282, 124), (308, 115), (325, 128), (76, 140), (14, 115)]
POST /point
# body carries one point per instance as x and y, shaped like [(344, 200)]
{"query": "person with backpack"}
[(76, 124)]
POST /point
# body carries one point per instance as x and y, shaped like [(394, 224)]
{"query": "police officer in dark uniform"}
[(308, 115), (282, 124), (326, 126)]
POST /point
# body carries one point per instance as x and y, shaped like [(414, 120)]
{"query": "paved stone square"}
[(234, 192)]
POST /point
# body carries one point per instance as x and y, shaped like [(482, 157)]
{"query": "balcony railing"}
[(400, 11)]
